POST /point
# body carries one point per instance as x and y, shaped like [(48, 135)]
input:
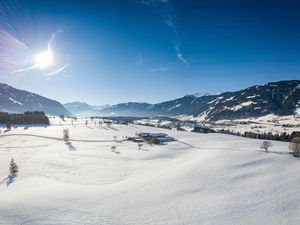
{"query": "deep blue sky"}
[(149, 50)]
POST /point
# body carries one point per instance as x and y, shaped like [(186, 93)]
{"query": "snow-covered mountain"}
[(17, 101), (278, 98)]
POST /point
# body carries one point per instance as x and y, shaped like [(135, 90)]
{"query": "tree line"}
[(28, 117), (268, 136)]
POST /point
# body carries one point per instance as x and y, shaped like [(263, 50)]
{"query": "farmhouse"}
[(200, 129), (108, 123), (161, 137), (135, 139)]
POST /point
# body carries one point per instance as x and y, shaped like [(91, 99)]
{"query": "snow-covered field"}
[(265, 124), (201, 179)]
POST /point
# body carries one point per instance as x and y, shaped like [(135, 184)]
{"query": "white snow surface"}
[(240, 106), (252, 96), (14, 101), (229, 99), (201, 94), (297, 111), (265, 124), (174, 107), (201, 179)]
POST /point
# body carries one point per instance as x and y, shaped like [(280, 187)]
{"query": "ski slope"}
[(200, 179)]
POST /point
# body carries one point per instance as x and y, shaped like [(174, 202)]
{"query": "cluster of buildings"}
[(157, 137)]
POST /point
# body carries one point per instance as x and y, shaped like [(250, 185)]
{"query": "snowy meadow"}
[(197, 179)]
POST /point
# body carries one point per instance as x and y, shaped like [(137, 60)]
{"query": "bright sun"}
[(44, 59)]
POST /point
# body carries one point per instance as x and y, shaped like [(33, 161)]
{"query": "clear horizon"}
[(109, 52)]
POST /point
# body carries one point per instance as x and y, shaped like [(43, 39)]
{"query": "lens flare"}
[(19, 42), (44, 59)]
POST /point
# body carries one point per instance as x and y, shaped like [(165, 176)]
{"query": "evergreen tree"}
[(13, 168)]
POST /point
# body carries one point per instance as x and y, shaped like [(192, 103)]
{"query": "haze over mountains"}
[(279, 98), (84, 109)]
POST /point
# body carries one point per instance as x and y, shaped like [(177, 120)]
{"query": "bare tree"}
[(140, 145), (266, 145), (115, 138), (295, 146), (66, 135), (113, 148)]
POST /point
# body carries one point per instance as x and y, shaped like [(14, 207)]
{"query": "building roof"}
[(153, 135)]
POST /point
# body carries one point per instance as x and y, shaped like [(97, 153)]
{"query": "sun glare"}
[(44, 59)]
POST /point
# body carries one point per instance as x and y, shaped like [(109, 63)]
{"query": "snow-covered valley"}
[(198, 179)]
